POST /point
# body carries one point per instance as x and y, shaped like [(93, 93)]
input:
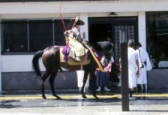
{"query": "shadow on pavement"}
[(150, 111), (9, 104)]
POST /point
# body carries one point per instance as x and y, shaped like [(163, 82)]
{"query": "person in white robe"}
[(133, 66), (145, 65)]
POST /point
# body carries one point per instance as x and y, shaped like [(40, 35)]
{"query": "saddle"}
[(69, 55), (84, 60)]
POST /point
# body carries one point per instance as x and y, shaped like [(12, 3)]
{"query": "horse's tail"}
[(35, 62)]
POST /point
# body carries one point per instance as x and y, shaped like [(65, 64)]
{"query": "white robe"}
[(132, 67), (142, 57)]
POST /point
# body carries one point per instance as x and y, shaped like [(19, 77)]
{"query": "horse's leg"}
[(84, 83), (52, 78), (93, 83), (44, 77)]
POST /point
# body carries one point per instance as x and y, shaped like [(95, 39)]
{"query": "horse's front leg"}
[(84, 83), (93, 83), (52, 78), (44, 77)]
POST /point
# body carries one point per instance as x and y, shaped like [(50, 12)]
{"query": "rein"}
[(95, 58)]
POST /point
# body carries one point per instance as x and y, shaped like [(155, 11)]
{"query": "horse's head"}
[(104, 48)]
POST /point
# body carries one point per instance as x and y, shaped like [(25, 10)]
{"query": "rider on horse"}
[(75, 52), (74, 42)]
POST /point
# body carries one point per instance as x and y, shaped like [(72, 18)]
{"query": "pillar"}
[(142, 28), (0, 62)]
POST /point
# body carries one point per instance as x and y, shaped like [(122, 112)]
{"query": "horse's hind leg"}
[(44, 77), (52, 78), (84, 83)]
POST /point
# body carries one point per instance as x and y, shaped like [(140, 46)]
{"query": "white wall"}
[(18, 63), (84, 28), (142, 28)]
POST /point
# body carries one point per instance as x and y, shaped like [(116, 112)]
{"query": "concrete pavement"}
[(154, 104)]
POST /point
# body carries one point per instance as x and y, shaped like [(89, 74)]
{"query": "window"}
[(59, 30), (119, 29), (14, 40), (40, 34), (59, 33), (157, 39), (31, 35)]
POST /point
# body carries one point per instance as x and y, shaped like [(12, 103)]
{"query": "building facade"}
[(28, 26)]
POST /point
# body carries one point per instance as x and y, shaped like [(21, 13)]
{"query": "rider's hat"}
[(77, 21)]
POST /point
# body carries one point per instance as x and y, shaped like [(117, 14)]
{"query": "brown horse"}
[(51, 60)]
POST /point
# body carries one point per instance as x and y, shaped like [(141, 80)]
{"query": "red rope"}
[(62, 20)]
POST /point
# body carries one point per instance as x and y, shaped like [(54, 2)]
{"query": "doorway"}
[(117, 28)]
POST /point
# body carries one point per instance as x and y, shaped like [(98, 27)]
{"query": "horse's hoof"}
[(59, 98), (84, 96), (95, 96), (44, 97)]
